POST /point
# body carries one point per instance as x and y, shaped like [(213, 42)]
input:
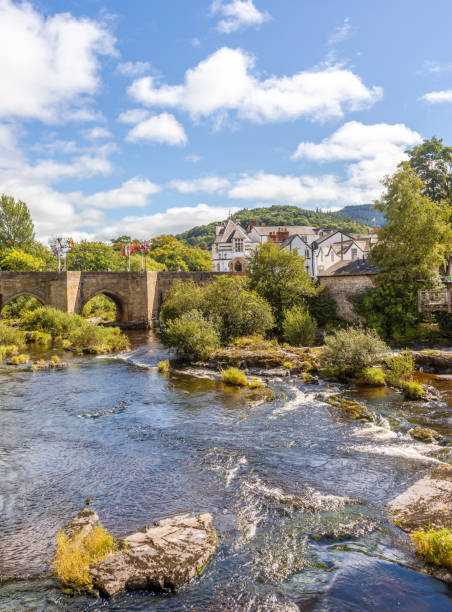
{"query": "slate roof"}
[(288, 240), (231, 231), (355, 267)]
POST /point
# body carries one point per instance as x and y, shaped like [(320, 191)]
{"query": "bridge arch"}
[(4, 300), (119, 300)]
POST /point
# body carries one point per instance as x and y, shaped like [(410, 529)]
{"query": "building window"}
[(306, 253), (332, 256), (354, 253), (238, 245)]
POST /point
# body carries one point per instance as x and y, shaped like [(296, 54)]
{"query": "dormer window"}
[(238, 245)]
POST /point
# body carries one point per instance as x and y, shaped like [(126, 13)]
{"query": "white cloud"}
[(195, 42), (163, 128), (436, 97), (225, 81), (48, 63), (355, 140), (375, 151), (172, 221), (207, 184), (133, 69), (97, 133), (134, 115), (237, 15), (341, 33), (134, 192)]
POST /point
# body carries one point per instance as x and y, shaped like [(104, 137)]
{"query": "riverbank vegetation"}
[(75, 554), (49, 327)]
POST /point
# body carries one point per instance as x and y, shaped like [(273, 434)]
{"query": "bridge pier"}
[(138, 295)]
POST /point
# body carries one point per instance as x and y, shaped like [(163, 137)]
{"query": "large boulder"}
[(161, 557), (428, 502)]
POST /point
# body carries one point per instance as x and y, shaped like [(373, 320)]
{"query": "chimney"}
[(251, 225), (263, 224), (219, 228)]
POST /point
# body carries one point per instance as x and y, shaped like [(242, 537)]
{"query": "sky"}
[(150, 117)]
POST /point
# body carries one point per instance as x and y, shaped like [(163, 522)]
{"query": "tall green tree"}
[(432, 162), (414, 243), (16, 225), (281, 278)]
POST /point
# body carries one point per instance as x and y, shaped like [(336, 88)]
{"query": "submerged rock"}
[(159, 558), (428, 502), (424, 434), (82, 524), (256, 397)]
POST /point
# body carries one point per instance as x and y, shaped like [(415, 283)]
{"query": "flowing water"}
[(297, 493)]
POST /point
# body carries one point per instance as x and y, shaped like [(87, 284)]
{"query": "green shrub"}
[(164, 366), (192, 335), (75, 555), (400, 368), (236, 310), (96, 339), (411, 389), (323, 307), (182, 297), (373, 377), (100, 306), (11, 335), (234, 376), (435, 546), (51, 320), (348, 352), (299, 327), (19, 305), (38, 337)]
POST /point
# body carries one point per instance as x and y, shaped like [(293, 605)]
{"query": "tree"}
[(18, 260), (16, 225), (432, 162), (280, 277), (94, 256), (412, 246)]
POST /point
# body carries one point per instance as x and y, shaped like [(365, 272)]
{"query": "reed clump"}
[(235, 377), (435, 546)]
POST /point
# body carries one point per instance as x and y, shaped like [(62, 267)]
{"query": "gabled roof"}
[(288, 240), (231, 231), (323, 238)]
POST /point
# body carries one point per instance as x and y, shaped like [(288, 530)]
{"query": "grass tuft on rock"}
[(435, 546), (234, 376), (75, 555), (412, 389), (164, 366)]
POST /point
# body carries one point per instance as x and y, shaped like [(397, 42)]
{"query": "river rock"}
[(427, 502), (439, 362), (82, 524), (159, 558)]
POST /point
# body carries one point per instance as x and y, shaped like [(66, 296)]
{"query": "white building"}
[(320, 248), (231, 248)]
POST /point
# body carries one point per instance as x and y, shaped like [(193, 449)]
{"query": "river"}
[(297, 494)]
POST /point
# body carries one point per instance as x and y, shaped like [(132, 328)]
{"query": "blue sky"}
[(151, 117)]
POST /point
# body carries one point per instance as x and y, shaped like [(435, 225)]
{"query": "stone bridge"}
[(137, 295)]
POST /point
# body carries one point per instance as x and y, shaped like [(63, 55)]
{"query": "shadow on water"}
[(297, 492)]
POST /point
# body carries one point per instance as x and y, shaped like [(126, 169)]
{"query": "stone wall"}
[(342, 288)]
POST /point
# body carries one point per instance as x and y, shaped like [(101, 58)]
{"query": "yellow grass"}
[(74, 556), (234, 376), (435, 546)]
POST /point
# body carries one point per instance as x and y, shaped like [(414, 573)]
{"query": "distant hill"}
[(203, 235), (364, 213)]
